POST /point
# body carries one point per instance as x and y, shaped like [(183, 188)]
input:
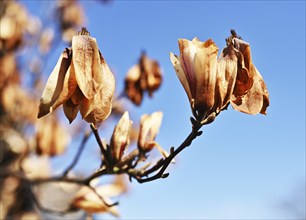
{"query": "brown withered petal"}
[(54, 84), (181, 75), (98, 109), (149, 128), (51, 137), (132, 85), (70, 110), (69, 87), (120, 138), (205, 63), (88, 201), (226, 76), (256, 100), (87, 64)]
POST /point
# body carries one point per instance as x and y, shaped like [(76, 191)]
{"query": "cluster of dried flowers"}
[(82, 82), (146, 76), (211, 83)]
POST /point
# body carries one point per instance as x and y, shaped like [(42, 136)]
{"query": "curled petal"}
[(181, 74), (120, 138), (68, 90), (70, 110), (98, 109), (187, 54), (87, 64), (90, 202), (226, 76), (256, 100), (54, 84), (149, 128), (205, 65)]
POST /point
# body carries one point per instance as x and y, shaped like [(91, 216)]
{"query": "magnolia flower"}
[(211, 83), (81, 81), (144, 76), (120, 138), (51, 137), (149, 128)]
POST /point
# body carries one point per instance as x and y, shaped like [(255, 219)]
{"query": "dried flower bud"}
[(120, 138), (149, 128), (81, 81), (212, 84), (145, 76), (71, 17), (51, 137)]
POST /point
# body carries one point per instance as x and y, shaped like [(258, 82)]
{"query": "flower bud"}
[(149, 128), (120, 138)]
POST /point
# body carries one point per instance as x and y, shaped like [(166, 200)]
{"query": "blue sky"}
[(243, 166)]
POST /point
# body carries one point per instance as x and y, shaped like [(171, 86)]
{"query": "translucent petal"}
[(87, 64), (180, 74), (54, 84)]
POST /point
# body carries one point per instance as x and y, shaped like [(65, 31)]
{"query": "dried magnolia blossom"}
[(81, 81), (51, 138), (149, 128), (8, 71), (120, 138), (211, 83), (45, 41), (18, 103), (14, 22), (144, 76), (90, 202), (71, 17)]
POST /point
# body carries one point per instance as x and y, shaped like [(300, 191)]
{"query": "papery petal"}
[(187, 53), (149, 128), (226, 76), (54, 84), (69, 87), (120, 138), (205, 67), (98, 109), (156, 118), (181, 74), (87, 64), (70, 110), (256, 100), (244, 80), (91, 203)]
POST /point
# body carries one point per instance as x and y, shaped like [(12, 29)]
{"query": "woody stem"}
[(98, 139), (164, 163)]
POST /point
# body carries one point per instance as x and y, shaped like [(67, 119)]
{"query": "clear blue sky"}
[(242, 166)]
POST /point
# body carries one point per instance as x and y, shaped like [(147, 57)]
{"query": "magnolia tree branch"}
[(162, 164), (78, 154), (126, 166)]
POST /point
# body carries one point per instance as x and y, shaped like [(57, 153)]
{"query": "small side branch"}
[(164, 163), (78, 155)]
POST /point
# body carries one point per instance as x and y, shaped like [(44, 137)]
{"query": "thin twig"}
[(77, 156), (163, 164), (98, 139)]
